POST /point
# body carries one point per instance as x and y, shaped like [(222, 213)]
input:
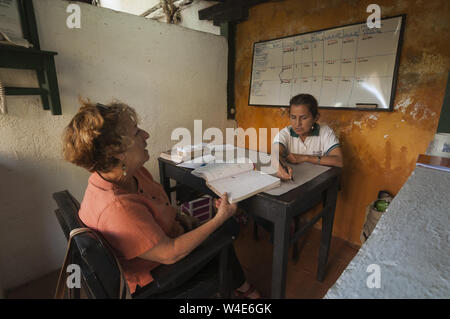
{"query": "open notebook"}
[(239, 180)]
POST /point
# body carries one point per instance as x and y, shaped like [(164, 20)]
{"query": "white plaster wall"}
[(169, 74)]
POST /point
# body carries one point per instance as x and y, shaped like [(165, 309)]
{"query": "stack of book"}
[(434, 162), (186, 153), (201, 208)]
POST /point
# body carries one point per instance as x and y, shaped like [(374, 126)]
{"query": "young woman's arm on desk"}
[(334, 158)]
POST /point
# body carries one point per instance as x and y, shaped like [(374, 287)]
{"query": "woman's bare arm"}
[(334, 158), (278, 153), (170, 250)]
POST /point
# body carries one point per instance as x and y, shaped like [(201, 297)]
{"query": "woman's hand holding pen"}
[(284, 172)]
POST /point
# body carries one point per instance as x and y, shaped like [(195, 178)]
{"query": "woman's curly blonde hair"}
[(95, 135)]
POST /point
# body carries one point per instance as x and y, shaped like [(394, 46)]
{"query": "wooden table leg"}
[(327, 228), (280, 256), (52, 83)]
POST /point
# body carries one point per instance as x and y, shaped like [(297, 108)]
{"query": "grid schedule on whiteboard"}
[(342, 67)]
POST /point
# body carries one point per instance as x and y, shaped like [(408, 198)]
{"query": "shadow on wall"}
[(32, 243), (353, 189)]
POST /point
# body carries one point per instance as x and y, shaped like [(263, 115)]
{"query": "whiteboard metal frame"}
[(394, 76)]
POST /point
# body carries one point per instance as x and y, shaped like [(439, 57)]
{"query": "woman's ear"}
[(317, 117), (121, 157)]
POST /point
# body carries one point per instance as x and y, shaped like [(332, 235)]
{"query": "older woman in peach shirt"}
[(125, 204)]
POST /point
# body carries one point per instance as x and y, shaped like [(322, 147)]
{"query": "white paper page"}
[(198, 162), (302, 173), (213, 171), (244, 185)]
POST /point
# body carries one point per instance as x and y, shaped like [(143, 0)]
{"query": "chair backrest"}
[(96, 261)]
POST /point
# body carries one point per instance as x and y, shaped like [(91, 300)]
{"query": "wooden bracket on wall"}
[(43, 62)]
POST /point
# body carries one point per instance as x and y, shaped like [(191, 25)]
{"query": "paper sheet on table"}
[(302, 173), (228, 154)]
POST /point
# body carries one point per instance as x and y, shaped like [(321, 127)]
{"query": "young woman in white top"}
[(304, 140)]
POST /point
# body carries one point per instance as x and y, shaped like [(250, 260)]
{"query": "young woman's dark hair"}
[(305, 99)]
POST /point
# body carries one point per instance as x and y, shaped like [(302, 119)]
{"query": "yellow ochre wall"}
[(380, 148)]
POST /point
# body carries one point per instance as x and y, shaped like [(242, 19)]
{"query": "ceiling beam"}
[(237, 14), (230, 7)]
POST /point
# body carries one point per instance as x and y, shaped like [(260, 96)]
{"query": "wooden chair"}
[(102, 277)]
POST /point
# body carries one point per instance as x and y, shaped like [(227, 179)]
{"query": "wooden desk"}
[(280, 210)]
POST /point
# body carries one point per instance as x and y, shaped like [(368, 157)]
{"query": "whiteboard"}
[(346, 67)]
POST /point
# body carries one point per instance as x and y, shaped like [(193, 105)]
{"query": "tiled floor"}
[(256, 259)]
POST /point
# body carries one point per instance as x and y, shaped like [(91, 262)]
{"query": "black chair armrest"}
[(67, 212), (221, 238), (62, 223)]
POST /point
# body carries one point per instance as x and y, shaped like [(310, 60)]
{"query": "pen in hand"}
[(286, 169)]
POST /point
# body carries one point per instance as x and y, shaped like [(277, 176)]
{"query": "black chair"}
[(101, 275)]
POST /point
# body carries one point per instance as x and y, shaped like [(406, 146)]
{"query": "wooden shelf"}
[(43, 63)]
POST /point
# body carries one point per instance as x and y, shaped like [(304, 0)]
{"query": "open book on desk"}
[(239, 180)]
